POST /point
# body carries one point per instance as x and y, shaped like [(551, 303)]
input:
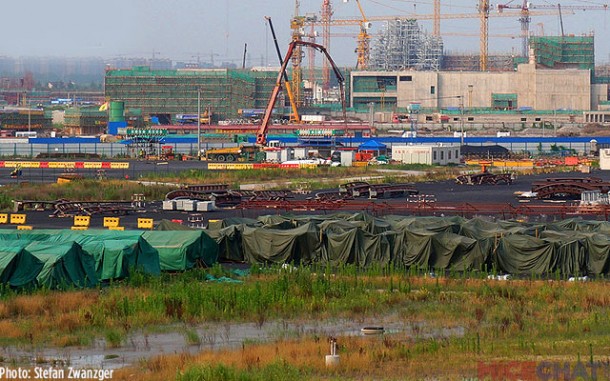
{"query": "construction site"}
[(552, 75)]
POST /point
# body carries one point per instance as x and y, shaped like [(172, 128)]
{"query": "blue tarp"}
[(371, 145)]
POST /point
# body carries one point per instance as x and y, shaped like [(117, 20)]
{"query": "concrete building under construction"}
[(168, 93), (559, 76)]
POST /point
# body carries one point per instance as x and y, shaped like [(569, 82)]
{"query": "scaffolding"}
[(85, 121), (563, 52), (25, 119), (471, 62), (166, 93), (402, 45)]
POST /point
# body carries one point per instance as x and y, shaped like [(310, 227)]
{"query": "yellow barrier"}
[(111, 222), (116, 227), (79, 227), (24, 227), (3, 218), (18, 219), (82, 220), (229, 166), (145, 223)]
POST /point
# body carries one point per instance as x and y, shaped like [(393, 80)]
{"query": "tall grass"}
[(519, 308)]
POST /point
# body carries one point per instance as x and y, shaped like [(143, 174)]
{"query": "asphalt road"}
[(136, 169), (444, 191)]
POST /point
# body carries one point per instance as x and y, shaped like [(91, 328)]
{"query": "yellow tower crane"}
[(483, 14), (364, 39), (525, 13), (296, 24)]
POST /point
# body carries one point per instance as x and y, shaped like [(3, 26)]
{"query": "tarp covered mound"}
[(181, 250), (569, 247), (65, 265), (76, 258), (18, 267)]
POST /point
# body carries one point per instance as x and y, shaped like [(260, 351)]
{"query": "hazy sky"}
[(187, 29)]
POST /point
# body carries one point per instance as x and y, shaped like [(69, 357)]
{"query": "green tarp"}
[(18, 267), (64, 265), (76, 258), (181, 250)]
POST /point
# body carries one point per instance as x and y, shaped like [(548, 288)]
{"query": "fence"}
[(103, 150)]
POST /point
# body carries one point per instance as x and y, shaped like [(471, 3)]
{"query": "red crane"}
[(261, 134)]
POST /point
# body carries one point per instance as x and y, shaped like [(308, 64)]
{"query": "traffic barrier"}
[(111, 222), (145, 223), (65, 164), (3, 218), (82, 220), (79, 227), (116, 228), (24, 227), (18, 219)]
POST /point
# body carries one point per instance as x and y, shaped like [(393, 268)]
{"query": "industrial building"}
[(426, 154), (558, 78), (167, 93)]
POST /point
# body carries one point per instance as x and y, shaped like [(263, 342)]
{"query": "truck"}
[(240, 153)]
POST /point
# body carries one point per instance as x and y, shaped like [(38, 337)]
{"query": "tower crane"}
[(296, 24), (525, 10), (326, 22), (364, 38)]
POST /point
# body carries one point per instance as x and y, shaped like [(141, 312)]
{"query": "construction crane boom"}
[(525, 13), (364, 38), (295, 112), (261, 134), (326, 22)]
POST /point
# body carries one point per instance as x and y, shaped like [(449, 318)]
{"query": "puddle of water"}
[(216, 336)]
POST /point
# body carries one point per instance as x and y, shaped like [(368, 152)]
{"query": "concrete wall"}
[(541, 89)]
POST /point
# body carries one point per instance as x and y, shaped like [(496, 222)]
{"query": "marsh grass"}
[(515, 308)]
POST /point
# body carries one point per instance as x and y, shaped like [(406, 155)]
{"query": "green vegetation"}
[(455, 323), (85, 190)]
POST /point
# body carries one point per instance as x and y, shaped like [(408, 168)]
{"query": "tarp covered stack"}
[(68, 258), (569, 247)]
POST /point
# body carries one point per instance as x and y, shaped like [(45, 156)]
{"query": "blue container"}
[(113, 127)]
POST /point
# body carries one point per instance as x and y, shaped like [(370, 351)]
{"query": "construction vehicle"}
[(167, 153), (261, 134), (257, 152), (231, 154), (484, 177)]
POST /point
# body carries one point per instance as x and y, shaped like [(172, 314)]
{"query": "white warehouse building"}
[(427, 154)]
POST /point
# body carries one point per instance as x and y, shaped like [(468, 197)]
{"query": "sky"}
[(206, 30)]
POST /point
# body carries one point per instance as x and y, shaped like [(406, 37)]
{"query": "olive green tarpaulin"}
[(569, 247), (298, 245), (18, 267)]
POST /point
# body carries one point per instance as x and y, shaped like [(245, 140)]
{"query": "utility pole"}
[(199, 123), (461, 119)]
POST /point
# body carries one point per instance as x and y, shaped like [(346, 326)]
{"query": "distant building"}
[(426, 154)]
